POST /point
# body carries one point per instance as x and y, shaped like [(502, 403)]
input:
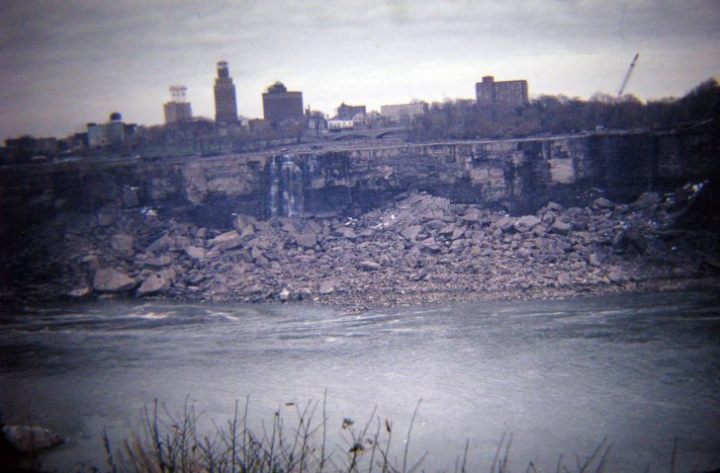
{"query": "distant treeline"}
[(549, 114)]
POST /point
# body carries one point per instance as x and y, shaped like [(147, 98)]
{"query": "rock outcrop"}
[(30, 438)]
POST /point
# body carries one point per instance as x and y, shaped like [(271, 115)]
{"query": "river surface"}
[(560, 376)]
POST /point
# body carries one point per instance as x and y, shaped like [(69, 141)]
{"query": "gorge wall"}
[(517, 175)]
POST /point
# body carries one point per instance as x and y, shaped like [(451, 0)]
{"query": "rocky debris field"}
[(420, 248)]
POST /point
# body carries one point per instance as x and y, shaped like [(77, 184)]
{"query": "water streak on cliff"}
[(285, 185)]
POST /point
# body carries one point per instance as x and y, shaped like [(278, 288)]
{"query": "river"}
[(560, 376)]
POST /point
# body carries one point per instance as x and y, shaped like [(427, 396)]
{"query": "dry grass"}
[(173, 444)]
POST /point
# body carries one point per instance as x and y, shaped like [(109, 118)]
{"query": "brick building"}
[(279, 104), (511, 93)]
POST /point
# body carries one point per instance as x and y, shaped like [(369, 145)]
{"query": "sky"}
[(64, 63)]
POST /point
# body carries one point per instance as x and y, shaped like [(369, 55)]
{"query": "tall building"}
[(177, 110), (279, 104), (225, 101), (403, 113), (511, 93), (348, 112)]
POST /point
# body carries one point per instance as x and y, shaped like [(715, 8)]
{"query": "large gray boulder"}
[(505, 223), (30, 438), (154, 284), (369, 265), (560, 227), (196, 253), (327, 287), (306, 240), (112, 280), (526, 223), (346, 232), (226, 241), (411, 232)]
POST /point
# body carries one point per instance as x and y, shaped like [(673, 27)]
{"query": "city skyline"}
[(59, 73)]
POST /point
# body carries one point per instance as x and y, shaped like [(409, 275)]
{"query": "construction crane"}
[(627, 76)]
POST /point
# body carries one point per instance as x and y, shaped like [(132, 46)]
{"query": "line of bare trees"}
[(462, 119)]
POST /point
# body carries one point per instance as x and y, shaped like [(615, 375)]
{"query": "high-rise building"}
[(403, 113), (279, 104), (511, 93), (225, 101), (177, 110)]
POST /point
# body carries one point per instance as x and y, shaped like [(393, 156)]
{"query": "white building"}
[(403, 113), (337, 124), (112, 133)]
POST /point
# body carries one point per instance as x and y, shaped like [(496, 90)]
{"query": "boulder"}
[(112, 280), (123, 243), (327, 287), (471, 216), (79, 292), (522, 253), (430, 245), (249, 230), (289, 227), (435, 224), (602, 203), (369, 265), (617, 275), (458, 233), (306, 240), (311, 226), (106, 217), (647, 199), (196, 253), (153, 284), (563, 278), (527, 223), (159, 261), (346, 232), (226, 241), (161, 244), (594, 259), (30, 438), (411, 232), (256, 253), (505, 223), (447, 230), (560, 227), (240, 222), (130, 197)]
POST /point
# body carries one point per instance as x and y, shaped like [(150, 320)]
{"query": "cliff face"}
[(516, 175), (348, 224)]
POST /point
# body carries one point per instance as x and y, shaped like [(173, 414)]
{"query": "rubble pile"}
[(420, 248)]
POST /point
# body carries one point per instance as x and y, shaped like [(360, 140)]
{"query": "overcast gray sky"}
[(67, 62)]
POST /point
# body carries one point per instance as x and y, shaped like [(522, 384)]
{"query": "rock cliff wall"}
[(519, 175)]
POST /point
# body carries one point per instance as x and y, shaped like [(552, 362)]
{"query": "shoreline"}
[(361, 302)]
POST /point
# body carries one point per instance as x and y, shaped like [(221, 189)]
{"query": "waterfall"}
[(285, 187)]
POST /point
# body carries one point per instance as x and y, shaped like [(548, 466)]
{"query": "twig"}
[(407, 442)]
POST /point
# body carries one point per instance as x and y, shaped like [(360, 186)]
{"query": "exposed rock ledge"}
[(420, 248)]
